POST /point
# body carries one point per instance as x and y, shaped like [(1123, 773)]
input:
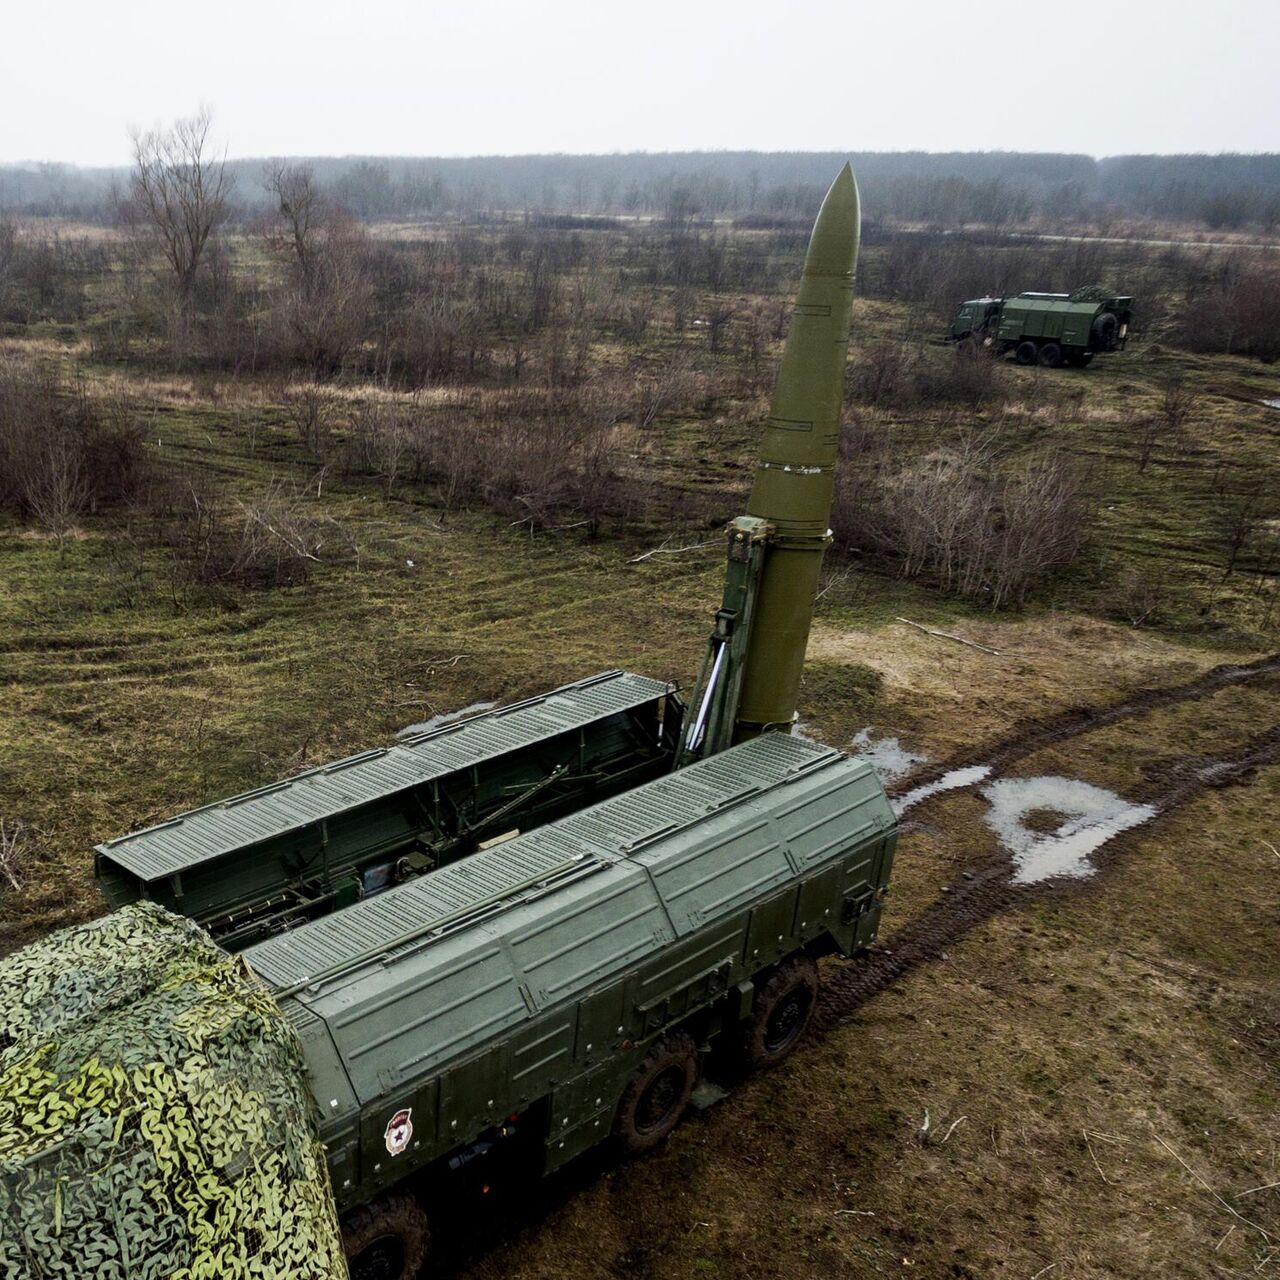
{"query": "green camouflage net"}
[(154, 1118)]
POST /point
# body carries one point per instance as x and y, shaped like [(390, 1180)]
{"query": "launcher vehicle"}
[(531, 927)]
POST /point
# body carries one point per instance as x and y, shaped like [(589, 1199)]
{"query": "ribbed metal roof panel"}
[(607, 832), (424, 974), (244, 820)]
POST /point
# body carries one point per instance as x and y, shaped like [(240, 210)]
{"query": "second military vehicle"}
[(1051, 329), (524, 931)]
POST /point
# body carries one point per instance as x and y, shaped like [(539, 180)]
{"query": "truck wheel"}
[(1104, 329), (1026, 353), (1051, 355), (657, 1095), (386, 1239), (783, 1008)]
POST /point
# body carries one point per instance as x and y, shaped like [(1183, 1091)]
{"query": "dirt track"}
[(1036, 734), (986, 889)]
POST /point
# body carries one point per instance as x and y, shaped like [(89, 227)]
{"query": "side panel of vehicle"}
[(518, 1013)]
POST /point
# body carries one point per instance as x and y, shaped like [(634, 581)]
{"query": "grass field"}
[(1084, 1083)]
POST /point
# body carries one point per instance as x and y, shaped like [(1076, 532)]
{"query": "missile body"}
[(795, 478)]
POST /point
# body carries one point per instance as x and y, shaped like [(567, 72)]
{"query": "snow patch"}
[(1091, 816), (952, 781), (448, 717), (887, 756)]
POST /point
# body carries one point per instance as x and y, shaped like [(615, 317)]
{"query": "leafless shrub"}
[(13, 842), (312, 411), (1139, 597), (43, 275), (218, 544), (1235, 311), (663, 388), (64, 451), (975, 522), (1242, 514), (1180, 398), (540, 455), (905, 375)]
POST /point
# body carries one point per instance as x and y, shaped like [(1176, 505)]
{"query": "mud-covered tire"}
[(1105, 327), (657, 1094), (781, 1013), (387, 1239), (1026, 353), (1051, 355)]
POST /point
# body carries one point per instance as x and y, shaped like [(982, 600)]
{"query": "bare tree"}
[(179, 187), (324, 309), (303, 215)]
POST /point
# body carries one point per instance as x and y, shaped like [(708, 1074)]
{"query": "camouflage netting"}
[(154, 1115)]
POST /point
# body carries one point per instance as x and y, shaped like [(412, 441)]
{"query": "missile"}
[(795, 478)]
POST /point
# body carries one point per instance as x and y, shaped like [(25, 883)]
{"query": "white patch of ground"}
[(888, 757), (953, 781), (1091, 816), (448, 717)]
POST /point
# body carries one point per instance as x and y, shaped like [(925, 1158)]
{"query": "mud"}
[(1032, 736), (989, 888)]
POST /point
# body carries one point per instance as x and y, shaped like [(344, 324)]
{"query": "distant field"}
[(1096, 1059)]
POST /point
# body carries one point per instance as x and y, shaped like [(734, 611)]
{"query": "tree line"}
[(946, 189)]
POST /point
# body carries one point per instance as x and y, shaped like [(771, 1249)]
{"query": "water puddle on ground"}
[(887, 756), (448, 717), (1272, 403), (1051, 825), (952, 781)]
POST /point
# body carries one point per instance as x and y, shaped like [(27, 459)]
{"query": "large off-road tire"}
[(1105, 328), (1026, 352), (386, 1239), (1051, 355), (781, 1013), (657, 1094)]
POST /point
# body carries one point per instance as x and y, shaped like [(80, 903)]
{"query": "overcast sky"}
[(452, 77)]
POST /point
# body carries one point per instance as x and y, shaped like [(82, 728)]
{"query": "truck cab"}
[(977, 315)]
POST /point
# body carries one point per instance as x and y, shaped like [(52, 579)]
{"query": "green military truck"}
[(1051, 329)]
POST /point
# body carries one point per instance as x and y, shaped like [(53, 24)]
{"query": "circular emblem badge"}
[(399, 1131)]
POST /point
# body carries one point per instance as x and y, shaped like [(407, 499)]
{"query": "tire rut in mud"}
[(1034, 735), (986, 889)]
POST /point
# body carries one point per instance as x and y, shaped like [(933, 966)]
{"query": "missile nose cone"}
[(833, 246)]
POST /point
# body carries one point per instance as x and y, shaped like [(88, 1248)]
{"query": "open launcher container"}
[(286, 854)]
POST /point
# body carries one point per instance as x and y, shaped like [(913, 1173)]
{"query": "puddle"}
[(952, 781), (1090, 816), (887, 756), (1273, 403), (449, 717)]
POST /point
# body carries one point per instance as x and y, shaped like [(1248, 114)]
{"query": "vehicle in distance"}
[(1051, 329)]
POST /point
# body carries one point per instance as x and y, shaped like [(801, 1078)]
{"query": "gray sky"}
[(445, 77)]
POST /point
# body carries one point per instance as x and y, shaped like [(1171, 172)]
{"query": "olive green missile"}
[(795, 477)]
